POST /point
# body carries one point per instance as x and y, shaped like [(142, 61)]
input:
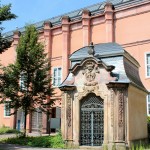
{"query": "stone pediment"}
[(91, 62), (90, 72)]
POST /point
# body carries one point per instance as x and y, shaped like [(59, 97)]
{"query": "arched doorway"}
[(92, 121)]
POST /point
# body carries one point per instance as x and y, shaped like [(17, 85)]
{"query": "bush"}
[(40, 141), (4, 130), (148, 127)]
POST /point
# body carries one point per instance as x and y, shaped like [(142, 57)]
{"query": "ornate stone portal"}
[(100, 96)]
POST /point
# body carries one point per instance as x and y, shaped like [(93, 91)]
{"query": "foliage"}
[(4, 130), (140, 146), (32, 68), (5, 14), (41, 141), (148, 119)]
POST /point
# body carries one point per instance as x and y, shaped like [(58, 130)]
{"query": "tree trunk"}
[(25, 122)]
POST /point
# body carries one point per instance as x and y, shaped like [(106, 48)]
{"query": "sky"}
[(32, 11)]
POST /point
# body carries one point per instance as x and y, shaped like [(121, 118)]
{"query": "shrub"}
[(40, 141), (4, 130)]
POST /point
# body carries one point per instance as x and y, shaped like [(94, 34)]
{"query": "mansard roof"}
[(76, 15), (126, 68), (101, 50)]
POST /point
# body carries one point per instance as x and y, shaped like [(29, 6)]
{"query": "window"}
[(7, 109), (22, 81), (148, 104), (57, 76), (148, 64)]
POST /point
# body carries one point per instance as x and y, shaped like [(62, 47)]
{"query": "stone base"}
[(91, 147), (120, 146), (69, 144), (115, 146)]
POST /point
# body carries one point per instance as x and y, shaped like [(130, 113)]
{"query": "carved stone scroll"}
[(68, 110), (112, 107), (120, 108)]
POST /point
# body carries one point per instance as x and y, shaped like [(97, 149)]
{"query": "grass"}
[(140, 147), (4, 130), (40, 141)]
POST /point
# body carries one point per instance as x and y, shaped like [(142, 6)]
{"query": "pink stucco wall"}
[(128, 26)]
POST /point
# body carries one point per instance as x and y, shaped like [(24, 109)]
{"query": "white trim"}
[(148, 96), (57, 73), (22, 81), (146, 64)]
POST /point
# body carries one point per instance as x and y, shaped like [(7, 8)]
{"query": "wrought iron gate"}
[(92, 121)]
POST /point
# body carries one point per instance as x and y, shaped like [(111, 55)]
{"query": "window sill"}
[(7, 117)]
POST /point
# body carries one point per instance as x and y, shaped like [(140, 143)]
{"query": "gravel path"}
[(18, 147)]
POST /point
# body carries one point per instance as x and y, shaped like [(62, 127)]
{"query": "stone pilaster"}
[(48, 38), (118, 114), (86, 27), (44, 123), (65, 50), (69, 123), (16, 38), (109, 22), (63, 114)]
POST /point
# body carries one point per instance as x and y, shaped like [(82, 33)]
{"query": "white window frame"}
[(7, 109), (21, 82), (53, 79), (146, 54), (148, 104)]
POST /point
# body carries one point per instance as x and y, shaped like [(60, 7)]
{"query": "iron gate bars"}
[(92, 121)]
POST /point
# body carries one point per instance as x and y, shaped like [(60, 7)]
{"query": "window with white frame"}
[(148, 64), (7, 109), (148, 104), (57, 76), (22, 81)]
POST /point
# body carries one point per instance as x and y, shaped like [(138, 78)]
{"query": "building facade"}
[(125, 22)]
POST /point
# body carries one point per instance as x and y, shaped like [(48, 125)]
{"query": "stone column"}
[(48, 49), (63, 114), (44, 122), (118, 114), (48, 38), (30, 122), (109, 22), (16, 38), (86, 27), (66, 47), (69, 123), (13, 120)]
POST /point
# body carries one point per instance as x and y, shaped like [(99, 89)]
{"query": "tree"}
[(32, 66), (5, 14)]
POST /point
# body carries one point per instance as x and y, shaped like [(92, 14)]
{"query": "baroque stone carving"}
[(89, 71), (121, 107), (112, 107), (68, 110)]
